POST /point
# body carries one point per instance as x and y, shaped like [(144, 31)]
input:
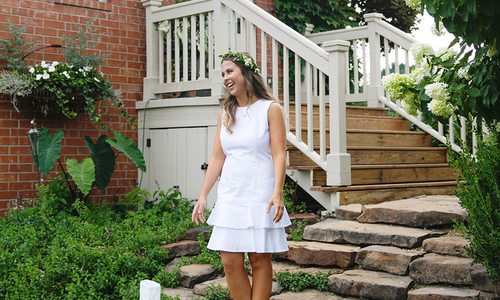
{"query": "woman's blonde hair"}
[(254, 83)]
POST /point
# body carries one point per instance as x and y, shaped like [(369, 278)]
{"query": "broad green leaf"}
[(83, 173), (473, 92), (129, 148), (104, 160), (49, 149)]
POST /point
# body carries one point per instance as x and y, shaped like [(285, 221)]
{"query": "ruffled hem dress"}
[(239, 218)]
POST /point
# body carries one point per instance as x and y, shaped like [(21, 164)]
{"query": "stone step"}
[(182, 248), (436, 269), (286, 266), (349, 211), (387, 259), (370, 285), (343, 231), (446, 245), (423, 212), (191, 275), (441, 293), (306, 295), (201, 288), (320, 254), (181, 293)]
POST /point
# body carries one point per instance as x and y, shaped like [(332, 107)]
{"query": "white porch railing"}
[(384, 48), (184, 54), (182, 57)]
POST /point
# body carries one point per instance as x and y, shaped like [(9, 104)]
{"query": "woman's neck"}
[(244, 101)]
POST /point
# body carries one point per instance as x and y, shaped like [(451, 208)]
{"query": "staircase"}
[(339, 154), (388, 160), (403, 249)]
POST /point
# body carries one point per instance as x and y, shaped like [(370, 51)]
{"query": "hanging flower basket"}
[(58, 88)]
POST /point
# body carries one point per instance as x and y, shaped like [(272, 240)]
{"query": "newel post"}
[(375, 88), (338, 161), (152, 46), (220, 32)]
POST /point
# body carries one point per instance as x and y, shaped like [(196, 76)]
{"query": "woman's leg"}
[(236, 275), (262, 275)]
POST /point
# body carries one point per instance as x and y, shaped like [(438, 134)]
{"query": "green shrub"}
[(217, 292), (479, 193), (52, 251), (300, 281), (297, 231)]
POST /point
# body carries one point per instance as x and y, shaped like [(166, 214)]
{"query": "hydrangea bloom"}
[(419, 73), (408, 104), (397, 84), (464, 72), (440, 108), (446, 53), (437, 91), (419, 51)]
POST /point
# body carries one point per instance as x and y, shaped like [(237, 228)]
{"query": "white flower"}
[(446, 53), (440, 108), (418, 74), (55, 63), (464, 72), (87, 68), (51, 68), (32, 70), (45, 76), (415, 4), (97, 79), (419, 51), (38, 76), (43, 64), (66, 74), (437, 91)]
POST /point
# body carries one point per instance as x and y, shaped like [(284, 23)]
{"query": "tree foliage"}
[(396, 12)]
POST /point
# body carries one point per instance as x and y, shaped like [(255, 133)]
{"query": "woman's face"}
[(233, 79)]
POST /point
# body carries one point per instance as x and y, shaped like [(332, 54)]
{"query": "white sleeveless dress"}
[(239, 219)]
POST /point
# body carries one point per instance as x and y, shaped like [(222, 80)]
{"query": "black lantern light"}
[(33, 138)]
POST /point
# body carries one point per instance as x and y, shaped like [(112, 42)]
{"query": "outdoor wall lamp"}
[(33, 138)]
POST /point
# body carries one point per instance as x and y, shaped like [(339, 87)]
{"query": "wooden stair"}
[(388, 160)]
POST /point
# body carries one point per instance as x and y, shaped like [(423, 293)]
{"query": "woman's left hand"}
[(279, 208)]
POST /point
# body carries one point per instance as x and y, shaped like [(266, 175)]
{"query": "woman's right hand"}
[(198, 211)]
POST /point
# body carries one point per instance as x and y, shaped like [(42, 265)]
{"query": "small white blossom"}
[(437, 91), (51, 68), (66, 74), (55, 63), (32, 70), (87, 68), (464, 72), (97, 79), (43, 64), (415, 4), (418, 74), (45, 76), (38, 76), (419, 51), (440, 108), (446, 53)]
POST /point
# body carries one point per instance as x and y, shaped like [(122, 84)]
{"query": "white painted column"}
[(338, 160), (149, 290), (220, 27), (375, 88), (152, 46)]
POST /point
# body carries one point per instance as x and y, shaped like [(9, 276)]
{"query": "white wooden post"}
[(221, 32), (338, 160), (375, 88), (149, 290), (152, 46)]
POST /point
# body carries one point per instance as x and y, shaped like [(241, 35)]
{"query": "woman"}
[(249, 155)]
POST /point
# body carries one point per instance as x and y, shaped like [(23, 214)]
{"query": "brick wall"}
[(121, 27)]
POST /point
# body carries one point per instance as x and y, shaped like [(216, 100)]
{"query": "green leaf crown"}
[(242, 58)]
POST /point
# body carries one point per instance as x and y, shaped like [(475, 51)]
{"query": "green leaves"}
[(129, 148), (83, 173), (49, 149), (104, 160)]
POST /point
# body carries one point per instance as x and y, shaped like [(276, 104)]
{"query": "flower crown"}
[(242, 58)]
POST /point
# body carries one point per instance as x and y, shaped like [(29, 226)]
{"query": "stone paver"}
[(435, 268), (194, 274), (201, 288), (282, 266), (182, 293), (320, 254), (443, 293), (446, 245), (306, 295), (193, 233), (482, 282), (423, 212), (387, 258), (182, 248), (342, 231), (348, 212), (370, 285)]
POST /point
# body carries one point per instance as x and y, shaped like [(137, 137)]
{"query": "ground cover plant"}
[(57, 251)]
